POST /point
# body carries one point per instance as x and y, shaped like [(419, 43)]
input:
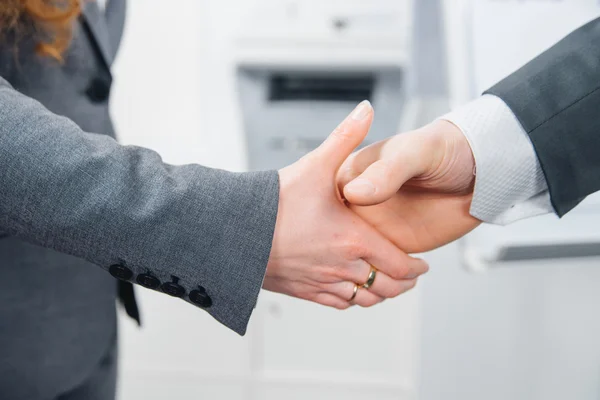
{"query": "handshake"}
[(347, 222)]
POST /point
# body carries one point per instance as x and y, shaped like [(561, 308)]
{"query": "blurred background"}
[(506, 313)]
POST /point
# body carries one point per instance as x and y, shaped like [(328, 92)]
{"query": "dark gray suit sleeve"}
[(86, 195), (556, 98)]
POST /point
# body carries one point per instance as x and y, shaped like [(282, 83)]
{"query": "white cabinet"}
[(309, 351), (293, 350)]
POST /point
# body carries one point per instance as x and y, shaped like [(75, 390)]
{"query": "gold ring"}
[(371, 279), (356, 287)]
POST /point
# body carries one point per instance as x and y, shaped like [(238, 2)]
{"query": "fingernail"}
[(361, 111), (411, 276), (361, 186)]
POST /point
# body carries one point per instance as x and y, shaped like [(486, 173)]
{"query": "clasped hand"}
[(341, 214)]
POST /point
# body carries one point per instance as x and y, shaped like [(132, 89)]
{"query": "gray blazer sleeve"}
[(86, 195), (556, 98)]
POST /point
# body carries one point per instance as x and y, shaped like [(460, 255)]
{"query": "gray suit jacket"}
[(556, 98), (76, 207)]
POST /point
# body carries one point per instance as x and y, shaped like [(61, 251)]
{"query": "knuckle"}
[(411, 284), (348, 170), (335, 273), (402, 287), (367, 303), (388, 291), (341, 132), (353, 247), (398, 272), (397, 291), (326, 275), (330, 301), (304, 295), (324, 287), (383, 170)]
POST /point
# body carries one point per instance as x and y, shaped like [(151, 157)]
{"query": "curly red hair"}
[(51, 20)]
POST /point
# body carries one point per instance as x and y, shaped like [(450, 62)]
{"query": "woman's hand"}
[(321, 249)]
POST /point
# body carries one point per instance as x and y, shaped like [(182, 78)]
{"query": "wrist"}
[(272, 264), (452, 165)]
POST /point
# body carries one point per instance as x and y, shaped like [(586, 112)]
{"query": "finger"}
[(363, 298), (357, 162), (346, 137), (366, 298), (389, 288), (389, 259), (386, 168), (357, 271), (331, 300), (384, 286)]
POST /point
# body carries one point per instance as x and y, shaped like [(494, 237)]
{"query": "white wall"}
[(173, 89)]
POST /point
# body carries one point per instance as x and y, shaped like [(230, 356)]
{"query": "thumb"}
[(404, 157), (346, 137)]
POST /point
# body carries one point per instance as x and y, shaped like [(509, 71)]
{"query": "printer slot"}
[(321, 88)]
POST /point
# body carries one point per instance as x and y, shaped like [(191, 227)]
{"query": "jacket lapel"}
[(115, 20), (95, 21)]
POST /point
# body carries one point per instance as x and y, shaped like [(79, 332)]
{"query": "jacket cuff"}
[(234, 266)]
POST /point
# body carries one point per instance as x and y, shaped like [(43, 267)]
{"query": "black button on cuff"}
[(201, 298), (173, 289), (120, 272), (148, 281)]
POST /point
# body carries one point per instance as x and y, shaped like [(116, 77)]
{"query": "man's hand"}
[(415, 188), (321, 249)]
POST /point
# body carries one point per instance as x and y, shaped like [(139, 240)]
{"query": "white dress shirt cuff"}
[(509, 183)]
